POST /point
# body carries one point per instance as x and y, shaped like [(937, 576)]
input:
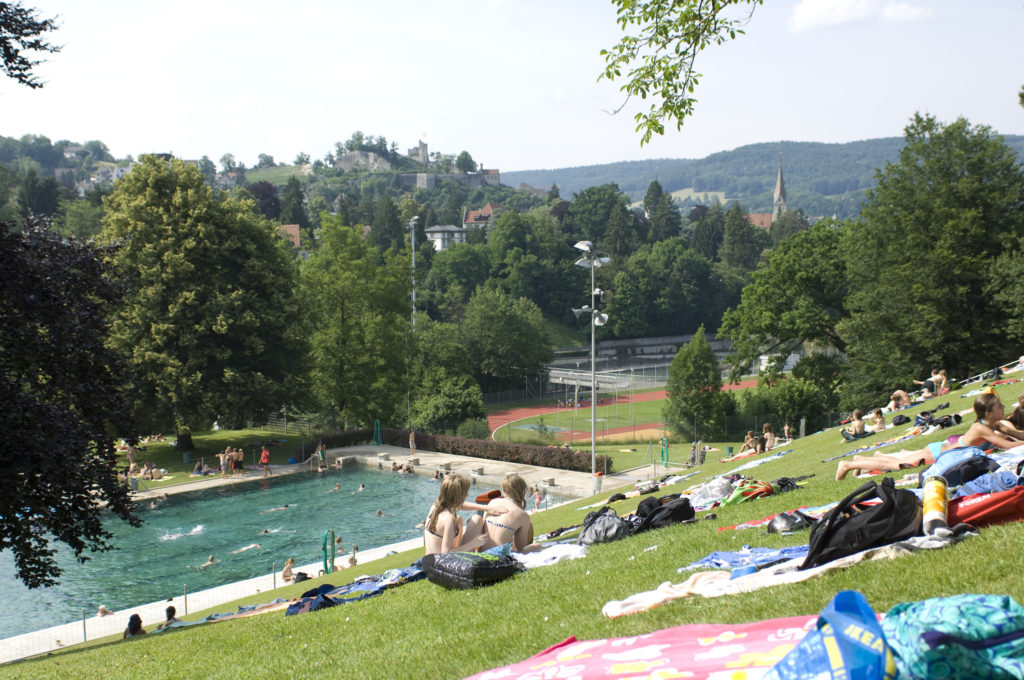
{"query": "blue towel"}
[(758, 557), (1000, 480)]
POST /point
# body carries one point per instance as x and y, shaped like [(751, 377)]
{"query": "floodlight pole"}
[(594, 482), (412, 231)]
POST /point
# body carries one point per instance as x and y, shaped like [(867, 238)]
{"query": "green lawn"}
[(423, 630), (278, 175)]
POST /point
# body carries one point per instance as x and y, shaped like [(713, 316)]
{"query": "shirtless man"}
[(209, 563)]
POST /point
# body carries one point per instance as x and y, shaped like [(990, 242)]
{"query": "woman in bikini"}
[(983, 433), (444, 530), (514, 526)]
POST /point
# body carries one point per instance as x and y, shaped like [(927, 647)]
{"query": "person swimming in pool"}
[(251, 546), (283, 507), (209, 562)]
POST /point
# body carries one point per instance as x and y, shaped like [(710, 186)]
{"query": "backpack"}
[(959, 466), (603, 526), (850, 527), (924, 418), (963, 636), (948, 420), (673, 512), (900, 419)]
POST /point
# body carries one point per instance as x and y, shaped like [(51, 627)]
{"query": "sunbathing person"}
[(444, 531), (856, 428), (988, 410), (899, 399), (876, 423), (134, 628), (287, 575), (514, 526)]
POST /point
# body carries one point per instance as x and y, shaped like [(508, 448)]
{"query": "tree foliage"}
[(357, 311), (21, 33), (209, 323), (465, 163), (659, 55), (696, 405), (799, 295), (920, 258), (61, 402), (505, 338)]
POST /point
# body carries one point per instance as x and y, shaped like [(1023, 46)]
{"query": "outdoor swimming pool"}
[(155, 561)]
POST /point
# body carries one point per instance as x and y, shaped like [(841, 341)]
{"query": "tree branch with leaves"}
[(658, 58), (20, 32)]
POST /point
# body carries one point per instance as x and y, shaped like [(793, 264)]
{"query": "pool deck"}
[(561, 482)]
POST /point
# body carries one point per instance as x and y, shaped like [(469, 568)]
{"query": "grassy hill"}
[(420, 629), (278, 175)]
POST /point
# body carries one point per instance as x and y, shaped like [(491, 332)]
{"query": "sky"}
[(514, 82)]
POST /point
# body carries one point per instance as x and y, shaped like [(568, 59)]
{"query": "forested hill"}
[(820, 178)]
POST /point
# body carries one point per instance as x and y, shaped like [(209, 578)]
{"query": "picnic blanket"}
[(696, 651), (755, 463)]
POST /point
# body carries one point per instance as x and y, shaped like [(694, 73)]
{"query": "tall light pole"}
[(408, 384), (592, 262), (412, 231)]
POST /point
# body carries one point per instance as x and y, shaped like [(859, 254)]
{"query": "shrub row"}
[(562, 458)]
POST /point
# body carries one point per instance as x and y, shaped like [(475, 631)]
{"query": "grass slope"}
[(421, 630)]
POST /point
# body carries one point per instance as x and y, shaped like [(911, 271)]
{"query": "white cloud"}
[(895, 12), (813, 13), (810, 14)]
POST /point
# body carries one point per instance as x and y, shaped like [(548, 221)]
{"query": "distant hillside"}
[(820, 178)]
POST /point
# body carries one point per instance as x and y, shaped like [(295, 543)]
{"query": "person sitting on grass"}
[(768, 435), (856, 428), (287, 575), (171, 618), (134, 628), (514, 526), (989, 411), (444, 531), (749, 442), (876, 423)]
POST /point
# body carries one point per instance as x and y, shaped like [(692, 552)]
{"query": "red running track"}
[(499, 418)]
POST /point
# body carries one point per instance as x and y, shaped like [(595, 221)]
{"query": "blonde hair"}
[(767, 428), (290, 562), (514, 487), (451, 497)]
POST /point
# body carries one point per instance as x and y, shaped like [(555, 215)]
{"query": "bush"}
[(476, 428), (526, 454), (509, 452)]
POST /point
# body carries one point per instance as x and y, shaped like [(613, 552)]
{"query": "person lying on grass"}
[(444, 531), (983, 434), (515, 526)]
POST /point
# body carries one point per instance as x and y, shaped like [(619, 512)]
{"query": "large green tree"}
[(357, 310), (696, 405), (742, 242), (61, 402), (799, 295), (920, 256), (505, 338), (209, 324), (293, 210)]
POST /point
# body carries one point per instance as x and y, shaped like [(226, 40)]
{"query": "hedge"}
[(562, 458)]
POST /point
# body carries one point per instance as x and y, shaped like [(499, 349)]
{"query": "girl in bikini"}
[(983, 433), (444, 530), (514, 525)]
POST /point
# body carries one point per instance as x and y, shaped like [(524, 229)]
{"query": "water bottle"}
[(934, 505)]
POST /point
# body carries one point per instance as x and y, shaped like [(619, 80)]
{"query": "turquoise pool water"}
[(155, 561)]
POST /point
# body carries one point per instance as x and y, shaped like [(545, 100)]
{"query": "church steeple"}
[(779, 206)]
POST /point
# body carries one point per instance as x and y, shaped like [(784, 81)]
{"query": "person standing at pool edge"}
[(265, 460), (412, 442)]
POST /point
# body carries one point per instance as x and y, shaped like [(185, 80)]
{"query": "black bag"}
[(849, 527), (900, 419), (673, 512), (464, 570), (603, 526), (924, 418), (647, 506), (948, 420), (969, 470)]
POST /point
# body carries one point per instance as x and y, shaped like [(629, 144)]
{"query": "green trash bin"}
[(186, 457), (728, 450)]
